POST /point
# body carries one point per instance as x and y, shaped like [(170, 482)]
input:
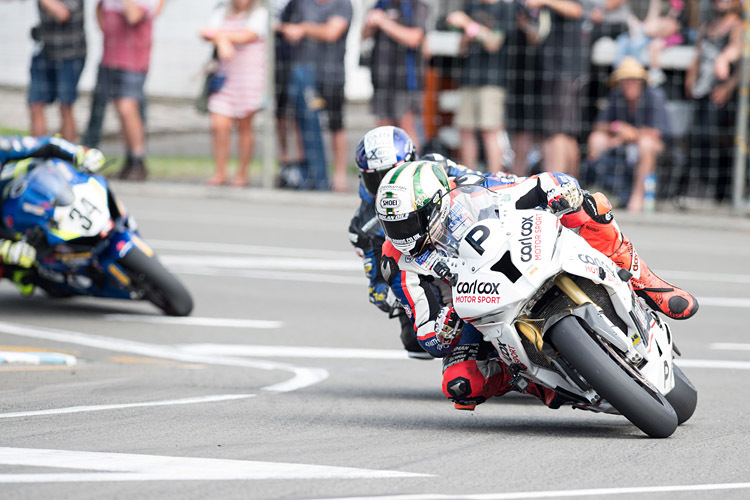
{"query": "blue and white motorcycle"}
[(87, 243)]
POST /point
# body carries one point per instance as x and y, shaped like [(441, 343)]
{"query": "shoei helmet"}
[(380, 150), (409, 204)]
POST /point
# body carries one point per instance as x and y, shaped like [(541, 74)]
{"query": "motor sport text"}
[(531, 238), (477, 292)]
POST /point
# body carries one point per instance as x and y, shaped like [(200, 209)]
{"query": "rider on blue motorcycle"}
[(406, 200), (381, 149), (17, 157)]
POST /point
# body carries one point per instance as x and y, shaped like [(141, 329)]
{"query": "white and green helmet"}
[(407, 199)]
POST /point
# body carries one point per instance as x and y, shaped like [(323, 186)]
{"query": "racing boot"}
[(23, 280), (658, 294), (597, 226)]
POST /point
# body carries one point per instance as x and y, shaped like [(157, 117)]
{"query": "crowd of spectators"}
[(530, 97)]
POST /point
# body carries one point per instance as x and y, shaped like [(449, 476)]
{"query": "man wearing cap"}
[(633, 126)]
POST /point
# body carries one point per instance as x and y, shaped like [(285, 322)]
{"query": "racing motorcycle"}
[(558, 312), (87, 242)]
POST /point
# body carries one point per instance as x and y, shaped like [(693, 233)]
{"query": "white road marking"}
[(594, 492), (303, 376), (713, 363), (698, 276), (730, 347), (221, 261), (266, 351), (282, 351), (289, 223), (200, 246), (194, 321), (131, 467), (360, 281), (168, 402), (37, 358), (741, 303)]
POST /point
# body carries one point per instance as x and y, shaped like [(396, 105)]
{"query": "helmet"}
[(409, 204), (446, 163), (380, 150)]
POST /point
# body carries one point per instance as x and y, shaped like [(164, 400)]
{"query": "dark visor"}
[(413, 226), (371, 179)]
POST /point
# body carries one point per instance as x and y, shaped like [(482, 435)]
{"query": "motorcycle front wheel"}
[(159, 286), (637, 401)]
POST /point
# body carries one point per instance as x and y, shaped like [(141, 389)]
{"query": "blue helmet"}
[(380, 150)]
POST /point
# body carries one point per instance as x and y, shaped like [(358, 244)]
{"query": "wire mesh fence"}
[(637, 98)]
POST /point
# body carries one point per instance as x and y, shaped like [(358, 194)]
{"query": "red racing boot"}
[(596, 225), (658, 294)]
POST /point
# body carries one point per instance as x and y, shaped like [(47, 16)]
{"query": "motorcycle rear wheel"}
[(683, 397), (160, 287), (642, 404)]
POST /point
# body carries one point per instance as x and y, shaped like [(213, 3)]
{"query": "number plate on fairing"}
[(88, 215)]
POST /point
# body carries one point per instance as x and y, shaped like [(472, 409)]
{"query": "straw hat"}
[(629, 68)]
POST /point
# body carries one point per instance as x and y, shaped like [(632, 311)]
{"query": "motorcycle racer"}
[(408, 199), (17, 158), (378, 151)]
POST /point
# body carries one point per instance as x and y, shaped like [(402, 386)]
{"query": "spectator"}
[(629, 135), (127, 27), (646, 39), (712, 84), (398, 28), (318, 34), (485, 25), (238, 31), (563, 57), (282, 67), (57, 63), (93, 134), (608, 17)]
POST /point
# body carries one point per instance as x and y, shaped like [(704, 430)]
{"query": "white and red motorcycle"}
[(559, 313)]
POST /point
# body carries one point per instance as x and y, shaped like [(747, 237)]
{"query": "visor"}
[(408, 232), (371, 179)]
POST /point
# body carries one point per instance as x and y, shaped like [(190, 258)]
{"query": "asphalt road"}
[(286, 384)]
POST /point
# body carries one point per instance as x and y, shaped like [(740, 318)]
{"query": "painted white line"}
[(131, 467), (168, 402), (271, 275), (199, 246), (724, 302), (730, 347), (269, 351), (713, 363), (303, 376), (37, 358), (194, 321), (218, 261), (557, 494), (698, 276), (289, 223)]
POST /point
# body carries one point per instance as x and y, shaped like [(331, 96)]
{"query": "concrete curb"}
[(717, 218), (36, 358)]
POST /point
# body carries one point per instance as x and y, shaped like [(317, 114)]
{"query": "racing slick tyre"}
[(632, 396), (683, 397), (159, 286)]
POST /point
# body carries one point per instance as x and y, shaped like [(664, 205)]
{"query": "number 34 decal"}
[(83, 217)]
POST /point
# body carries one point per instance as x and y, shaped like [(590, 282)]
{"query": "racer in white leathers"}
[(378, 151), (406, 201)]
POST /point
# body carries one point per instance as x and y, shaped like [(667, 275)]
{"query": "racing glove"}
[(17, 253), (448, 326), (564, 198), (88, 160), (382, 297)]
